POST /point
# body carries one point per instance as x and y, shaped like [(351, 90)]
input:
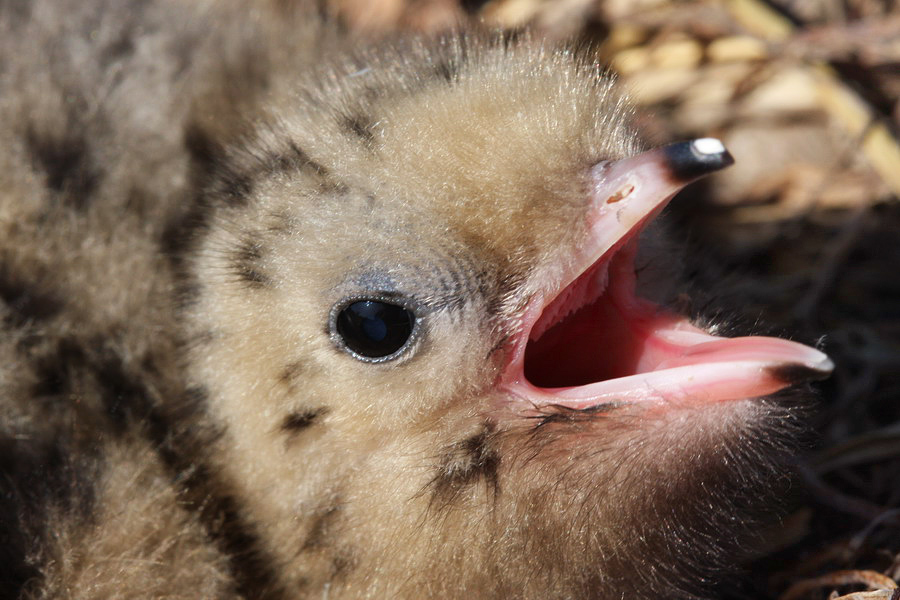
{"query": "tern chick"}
[(290, 315)]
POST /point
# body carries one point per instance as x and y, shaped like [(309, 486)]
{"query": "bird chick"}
[(412, 355), (422, 339)]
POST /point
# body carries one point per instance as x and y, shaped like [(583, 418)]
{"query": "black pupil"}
[(374, 329)]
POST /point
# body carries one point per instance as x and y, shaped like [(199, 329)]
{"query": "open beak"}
[(588, 339)]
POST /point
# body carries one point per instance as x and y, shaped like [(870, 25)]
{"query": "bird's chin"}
[(589, 340)]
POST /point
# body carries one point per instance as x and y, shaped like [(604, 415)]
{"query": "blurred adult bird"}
[(289, 315)]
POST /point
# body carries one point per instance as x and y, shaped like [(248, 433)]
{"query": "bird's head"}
[(436, 366)]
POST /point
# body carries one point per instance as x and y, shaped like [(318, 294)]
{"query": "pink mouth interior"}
[(597, 341), (592, 343)]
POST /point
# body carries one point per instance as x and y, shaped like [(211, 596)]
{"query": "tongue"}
[(716, 370), (672, 361), (699, 367), (759, 349)]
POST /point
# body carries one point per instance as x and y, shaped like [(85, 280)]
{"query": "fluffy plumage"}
[(189, 196)]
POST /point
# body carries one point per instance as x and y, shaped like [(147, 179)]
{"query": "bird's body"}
[(288, 316)]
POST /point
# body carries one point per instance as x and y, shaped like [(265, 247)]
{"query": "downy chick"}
[(422, 339), (411, 358)]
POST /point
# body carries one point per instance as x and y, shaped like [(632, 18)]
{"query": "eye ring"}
[(374, 329)]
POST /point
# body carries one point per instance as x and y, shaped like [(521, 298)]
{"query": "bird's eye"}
[(374, 330)]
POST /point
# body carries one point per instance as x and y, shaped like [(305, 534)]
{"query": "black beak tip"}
[(692, 160), (797, 374)]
